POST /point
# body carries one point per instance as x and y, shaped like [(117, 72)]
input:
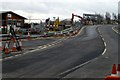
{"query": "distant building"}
[(94, 18), (11, 18)]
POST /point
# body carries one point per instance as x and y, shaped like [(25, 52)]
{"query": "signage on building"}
[(9, 15)]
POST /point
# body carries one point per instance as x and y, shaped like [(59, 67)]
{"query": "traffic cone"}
[(68, 33), (118, 70), (114, 75), (55, 34), (112, 78), (6, 48), (28, 36), (14, 47), (20, 42), (76, 31), (114, 71)]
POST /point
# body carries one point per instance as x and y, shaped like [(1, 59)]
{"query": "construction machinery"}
[(81, 19)]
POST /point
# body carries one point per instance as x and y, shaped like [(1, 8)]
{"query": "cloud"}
[(62, 8)]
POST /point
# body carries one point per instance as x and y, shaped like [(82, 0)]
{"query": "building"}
[(93, 18), (9, 18)]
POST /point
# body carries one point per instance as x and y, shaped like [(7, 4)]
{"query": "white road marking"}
[(103, 39), (105, 44), (39, 46), (104, 51), (44, 47), (115, 30), (74, 68)]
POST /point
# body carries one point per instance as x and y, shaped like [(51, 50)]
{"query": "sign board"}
[(9, 15)]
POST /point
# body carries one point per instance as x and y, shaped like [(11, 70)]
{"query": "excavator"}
[(81, 19)]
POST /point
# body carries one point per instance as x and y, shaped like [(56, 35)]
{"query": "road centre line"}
[(104, 51)]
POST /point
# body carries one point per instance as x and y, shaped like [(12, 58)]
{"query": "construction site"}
[(54, 40)]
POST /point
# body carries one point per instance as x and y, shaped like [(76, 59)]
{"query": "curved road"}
[(101, 66), (55, 61)]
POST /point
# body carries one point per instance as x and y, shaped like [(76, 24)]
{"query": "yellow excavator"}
[(56, 23)]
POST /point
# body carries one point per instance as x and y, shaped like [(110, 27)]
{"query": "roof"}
[(4, 12)]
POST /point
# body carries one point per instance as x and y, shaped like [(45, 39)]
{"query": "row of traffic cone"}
[(14, 48), (115, 73)]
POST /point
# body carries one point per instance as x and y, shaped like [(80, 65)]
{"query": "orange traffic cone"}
[(28, 36), (114, 75), (6, 48), (112, 78), (114, 70), (20, 42), (118, 70), (14, 47)]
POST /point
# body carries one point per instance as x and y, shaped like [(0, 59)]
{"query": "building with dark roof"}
[(11, 18)]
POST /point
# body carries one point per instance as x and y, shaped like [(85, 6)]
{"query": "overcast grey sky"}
[(63, 8)]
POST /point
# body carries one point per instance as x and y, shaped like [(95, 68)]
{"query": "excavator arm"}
[(73, 15)]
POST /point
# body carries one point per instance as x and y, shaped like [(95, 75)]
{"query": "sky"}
[(42, 9)]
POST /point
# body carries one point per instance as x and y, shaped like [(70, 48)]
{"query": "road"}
[(102, 66), (69, 59)]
